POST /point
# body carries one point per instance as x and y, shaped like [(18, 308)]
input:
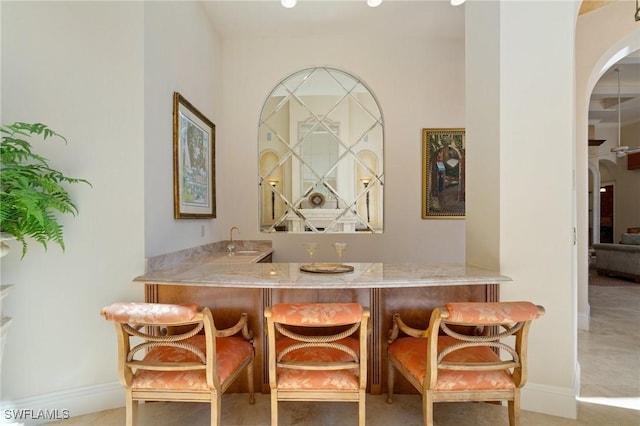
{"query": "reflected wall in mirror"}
[(320, 145)]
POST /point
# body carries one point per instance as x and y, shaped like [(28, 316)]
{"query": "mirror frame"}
[(317, 99)]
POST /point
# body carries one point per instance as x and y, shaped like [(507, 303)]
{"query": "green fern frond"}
[(31, 192)]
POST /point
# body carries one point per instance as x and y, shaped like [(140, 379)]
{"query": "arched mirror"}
[(320, 145)]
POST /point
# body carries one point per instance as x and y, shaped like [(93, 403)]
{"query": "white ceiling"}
[(246, 19), (337, 18), (603, 108)]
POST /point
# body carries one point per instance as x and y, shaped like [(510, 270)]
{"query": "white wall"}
[(530, 175), (537, 214), (182, 53), (406, 76), (79, 68), (483, 92)]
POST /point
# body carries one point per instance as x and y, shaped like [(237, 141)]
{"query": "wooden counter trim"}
[(266, 301), (375, 343)]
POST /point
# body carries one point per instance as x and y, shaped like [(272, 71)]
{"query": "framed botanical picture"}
[(443, 173), (194, 185)]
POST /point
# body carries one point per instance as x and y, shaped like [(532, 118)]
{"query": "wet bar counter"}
[(385, 288)]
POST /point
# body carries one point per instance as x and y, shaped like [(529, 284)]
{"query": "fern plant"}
[(32, 193)]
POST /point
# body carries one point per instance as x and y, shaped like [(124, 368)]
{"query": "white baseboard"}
[(584, 319), (551, 400), (63, 404)]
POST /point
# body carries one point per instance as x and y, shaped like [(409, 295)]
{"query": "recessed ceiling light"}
[(456, 2), (288, 3), (374, 3)]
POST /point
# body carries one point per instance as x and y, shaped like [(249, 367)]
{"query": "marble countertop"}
[(206, 271), (246, 251)]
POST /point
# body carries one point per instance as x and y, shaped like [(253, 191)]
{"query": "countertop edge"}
[(287, 275)]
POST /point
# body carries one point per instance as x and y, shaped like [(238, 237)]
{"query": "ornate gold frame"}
[(194, 172), (437, 178)]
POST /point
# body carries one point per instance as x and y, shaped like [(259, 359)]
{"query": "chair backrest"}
[(294, 327), (153, 324), (501, 326)]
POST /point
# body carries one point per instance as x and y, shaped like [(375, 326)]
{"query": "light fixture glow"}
[(456, 2), (374, 3), (288, 3)]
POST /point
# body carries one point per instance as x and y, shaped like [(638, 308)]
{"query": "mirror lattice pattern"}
[(321, 155)]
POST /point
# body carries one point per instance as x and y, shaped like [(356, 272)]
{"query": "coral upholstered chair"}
[(195, 365), (444, 364), (317, 352)]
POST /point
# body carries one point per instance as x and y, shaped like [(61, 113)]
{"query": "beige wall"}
[(406, 77)]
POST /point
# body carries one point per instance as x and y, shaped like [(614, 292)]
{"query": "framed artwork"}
[(443, 173), (194, 185)]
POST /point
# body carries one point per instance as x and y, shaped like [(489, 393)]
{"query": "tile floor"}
[(609, 356)]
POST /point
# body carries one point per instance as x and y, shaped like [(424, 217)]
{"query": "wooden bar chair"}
[(179, 355), (457, 357), (317, 352)]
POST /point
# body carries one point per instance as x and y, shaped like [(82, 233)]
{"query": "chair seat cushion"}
[(149, 313), (230, 353), (491, 313), (318, 379), (411, 353), (324, 314)]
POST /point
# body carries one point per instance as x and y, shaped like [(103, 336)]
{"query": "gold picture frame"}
[(194, 184), (443, 173)]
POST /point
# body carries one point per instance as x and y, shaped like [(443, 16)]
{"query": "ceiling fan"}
[(622, 150)]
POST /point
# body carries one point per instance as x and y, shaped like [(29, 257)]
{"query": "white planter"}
[(4, 248)]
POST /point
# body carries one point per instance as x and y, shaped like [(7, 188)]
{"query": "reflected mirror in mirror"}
[(320, 143)]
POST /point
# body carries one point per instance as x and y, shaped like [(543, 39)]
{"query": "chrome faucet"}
[(231, 247), (231, 233)]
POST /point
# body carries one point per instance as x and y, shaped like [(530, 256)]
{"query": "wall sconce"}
[(365, 182), (603, 189), (273, 184)]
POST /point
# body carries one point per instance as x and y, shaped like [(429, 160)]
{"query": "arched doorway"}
[(596, 52), (619, 35)]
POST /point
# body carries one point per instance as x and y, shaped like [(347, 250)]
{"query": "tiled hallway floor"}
[(609, 356)]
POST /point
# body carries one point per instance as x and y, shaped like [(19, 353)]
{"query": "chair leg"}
[(131, 409), (514, 409), (216, 403), (362, 412), (274, 407), (427, 408), (252, 398), (391, 376)]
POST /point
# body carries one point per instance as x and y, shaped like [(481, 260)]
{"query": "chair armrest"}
[(241, 326), (399, 325)]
